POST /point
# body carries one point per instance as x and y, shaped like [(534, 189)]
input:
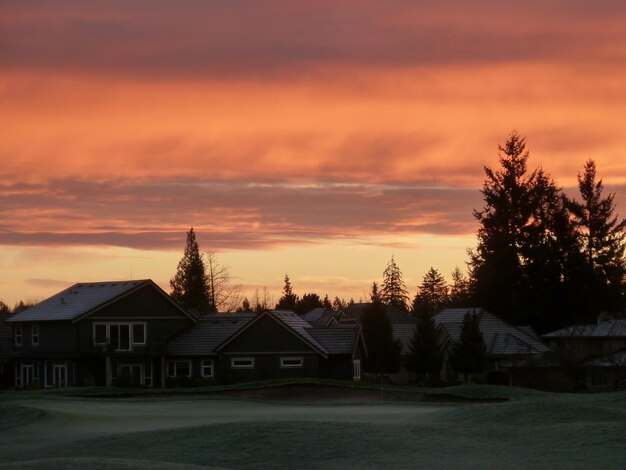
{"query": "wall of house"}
[(59, 337)]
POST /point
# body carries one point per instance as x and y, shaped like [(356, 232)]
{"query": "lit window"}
[(291, 362), (242, 363), (207, 368)]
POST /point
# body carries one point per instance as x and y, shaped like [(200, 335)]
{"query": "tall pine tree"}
[(425, 356), (469, 353), (383, 351), (190, 284), (603, 235), (432, 295), (289, 299), (394, 292)]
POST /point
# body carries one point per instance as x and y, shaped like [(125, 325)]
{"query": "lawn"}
[(530, 430)]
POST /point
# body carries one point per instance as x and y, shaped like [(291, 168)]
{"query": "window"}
[(356, 370), (18, 335), (121, 336), (291, 362), (34, 334), (242, 363), (179, 368), (139, 333), (207, 368)]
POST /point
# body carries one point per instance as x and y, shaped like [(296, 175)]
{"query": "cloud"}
[(159, 39), (226, 215)]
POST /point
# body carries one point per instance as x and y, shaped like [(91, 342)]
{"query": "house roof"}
[(404, 333), (613, 328), (319, 316), (82, 299), (215, 331), (211, 331), (501, 338), (336, 340)]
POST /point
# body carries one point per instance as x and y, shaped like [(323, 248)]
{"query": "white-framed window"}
[(18, 335), (242, 363), (356, 370), (179, 368), (206, 368), (121, 336), (291, 362), (34, 334)]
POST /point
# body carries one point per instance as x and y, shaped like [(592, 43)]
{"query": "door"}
[(27, 374), (133, 372), (59, 375)]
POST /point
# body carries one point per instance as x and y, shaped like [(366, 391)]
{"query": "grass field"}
[(531, 430)]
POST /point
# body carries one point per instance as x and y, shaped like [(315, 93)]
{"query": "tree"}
[(469, 353), (425, 356), (289, 299), (496, 265), (4, 308), (432, 295), (189, 284), (524, 267), (326, 303), (307, 303), (262, 301), (383, 351), (603, 237), (245, 306), (393, 291), (223, 294), (459, 290)]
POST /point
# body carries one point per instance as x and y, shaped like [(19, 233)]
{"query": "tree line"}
[(542, 258)]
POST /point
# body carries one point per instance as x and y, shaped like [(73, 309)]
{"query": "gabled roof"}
[(210, 332), (337, 340), (501, 338), (612, 328), (85, 298)]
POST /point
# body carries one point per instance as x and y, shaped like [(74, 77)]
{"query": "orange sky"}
[(313, 139)]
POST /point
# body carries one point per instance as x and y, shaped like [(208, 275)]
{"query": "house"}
[(96, 333), (596, 351), (6, 337), (242, 347), (507, 346)]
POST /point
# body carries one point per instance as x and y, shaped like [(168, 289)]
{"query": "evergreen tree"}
[(393, 292), (307, 303), (189, 284), (459, 290), (4, 308), (289, 299), (425, 357), (383, 351), (326, 303), (526, 262), (374, 294), (603, 235), (432, 294), (469, 354), (339, 304)]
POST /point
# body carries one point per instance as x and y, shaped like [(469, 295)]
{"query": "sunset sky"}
[(311, 138)]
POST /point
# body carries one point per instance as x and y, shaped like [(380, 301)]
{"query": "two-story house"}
[(93, 333)]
